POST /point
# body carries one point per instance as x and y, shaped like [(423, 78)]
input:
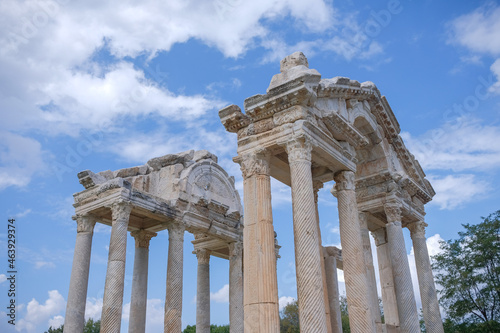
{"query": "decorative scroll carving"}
[(255, 164), (417, 229), (203, 256), (393, 212), (85, 223), (344, 180), (142, 237), (299, 148)]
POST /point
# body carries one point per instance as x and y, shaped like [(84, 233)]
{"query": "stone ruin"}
[(305, 131)]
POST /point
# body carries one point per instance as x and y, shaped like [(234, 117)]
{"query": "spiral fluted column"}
[(111, 316), (405, 297), (77, 295), (430, 304), (308, 258), (139, 298), (356, 281), (173, 299), (236, 287), (203, 291), (260, 297)]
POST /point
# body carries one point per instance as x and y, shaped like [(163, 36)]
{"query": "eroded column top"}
[(142, 237)]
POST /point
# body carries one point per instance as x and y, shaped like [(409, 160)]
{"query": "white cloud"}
[(479, 32), (3, 278), (462, 144), (284, 301), (56, 321), (93, 308), (222, 295), (42, 264), (37, 313), (453, 191)]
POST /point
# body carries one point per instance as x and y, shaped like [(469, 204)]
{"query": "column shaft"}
[(391, 316), (430, 304), (173, 299), (236, 316), (77, 295), (333, 289), (405, 297), (203, 292), (370, 270), (308, 258), (139, 298), (356, 281), (113, 291), (260, 297)]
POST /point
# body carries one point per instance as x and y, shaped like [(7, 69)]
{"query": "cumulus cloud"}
[(453, 191), (93, 308), (56, 321), (284, 301), (222, 295), (37, 313), (3, 278), (479, 32)]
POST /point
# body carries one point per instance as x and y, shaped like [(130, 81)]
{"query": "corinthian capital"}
[(203, 256), (417, 229), (85, 223), (298, 149), (142, 237), (344, 180), (256, 163), (393, 212), (176, 232), (121, 210)]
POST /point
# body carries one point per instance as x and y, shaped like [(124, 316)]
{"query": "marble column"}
[(370, 270), (203, 291), (330, 257), (308, 257), (77, 295), (391, 316), (317, 185), (405, 297), (139, 298), (260, 281), (173, 299), (356, 281), (430, 304), (236, 287), (111, 317)]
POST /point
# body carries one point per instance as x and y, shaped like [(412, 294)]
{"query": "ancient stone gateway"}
[(307, 131), (187, 191)]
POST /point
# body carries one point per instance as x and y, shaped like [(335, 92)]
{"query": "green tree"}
[(289, 318), (213, 329), (344, 315), (468, 270), (91, 326)]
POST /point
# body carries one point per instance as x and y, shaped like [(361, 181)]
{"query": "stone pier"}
[(175, 269), (203, 292), (330, 256), (236, 316)]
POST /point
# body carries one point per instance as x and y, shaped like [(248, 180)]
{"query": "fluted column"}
[(236, 287), (317, 185), (430, 304), (173, 299), (308, 258), (77, 295), (391, 316), (370, 270), (111, 316), (139, 298), (405, 297), (203, 292), (260, 297), (330, 256), (356, 281)]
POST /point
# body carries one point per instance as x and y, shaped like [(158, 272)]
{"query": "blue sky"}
[(106, 85)]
